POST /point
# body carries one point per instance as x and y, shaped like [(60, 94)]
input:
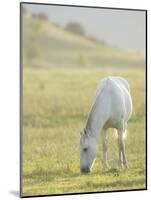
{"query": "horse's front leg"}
[(104, 151)]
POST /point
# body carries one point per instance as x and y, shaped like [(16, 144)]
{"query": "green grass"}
[(56, 104)]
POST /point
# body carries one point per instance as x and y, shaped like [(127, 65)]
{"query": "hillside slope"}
[(47, 45)]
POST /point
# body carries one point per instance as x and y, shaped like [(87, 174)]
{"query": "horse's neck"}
[(95, 121)]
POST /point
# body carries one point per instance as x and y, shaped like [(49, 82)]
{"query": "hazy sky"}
[(117, 27)]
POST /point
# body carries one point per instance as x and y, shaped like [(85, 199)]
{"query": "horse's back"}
[(121, 82), (117, 99)]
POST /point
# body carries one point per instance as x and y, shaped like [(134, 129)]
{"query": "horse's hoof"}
[(120, 164), (126, 167)]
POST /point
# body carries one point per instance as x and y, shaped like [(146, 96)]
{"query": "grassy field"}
[(56, 104)]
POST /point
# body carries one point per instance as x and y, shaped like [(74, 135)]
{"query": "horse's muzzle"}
[(85, 170)]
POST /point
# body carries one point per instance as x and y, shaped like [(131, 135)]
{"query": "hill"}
[(46, 44)]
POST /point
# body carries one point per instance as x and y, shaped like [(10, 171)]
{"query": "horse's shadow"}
[(113, 172)]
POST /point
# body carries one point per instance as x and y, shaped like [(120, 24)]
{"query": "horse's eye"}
[(85, 149)]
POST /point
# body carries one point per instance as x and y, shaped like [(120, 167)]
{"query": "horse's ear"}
[(85, 131)]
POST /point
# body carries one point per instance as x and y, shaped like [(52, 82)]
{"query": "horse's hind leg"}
[(120, 161), (121, 145)]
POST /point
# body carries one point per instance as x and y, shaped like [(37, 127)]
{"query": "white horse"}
[(112, 108)]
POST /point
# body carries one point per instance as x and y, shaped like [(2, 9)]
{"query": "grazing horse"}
[(112, 108)]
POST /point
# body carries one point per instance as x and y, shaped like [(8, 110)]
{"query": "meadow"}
[(56, 102)]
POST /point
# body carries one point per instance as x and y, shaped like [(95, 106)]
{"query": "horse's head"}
[(88, 151)]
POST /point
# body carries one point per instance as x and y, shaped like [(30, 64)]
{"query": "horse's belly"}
[(111, 124)]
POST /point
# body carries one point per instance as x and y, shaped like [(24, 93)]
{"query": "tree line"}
[(72, 27)]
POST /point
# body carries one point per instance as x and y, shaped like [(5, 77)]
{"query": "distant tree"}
[(92, 38), (40, 16), (75, 28)]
